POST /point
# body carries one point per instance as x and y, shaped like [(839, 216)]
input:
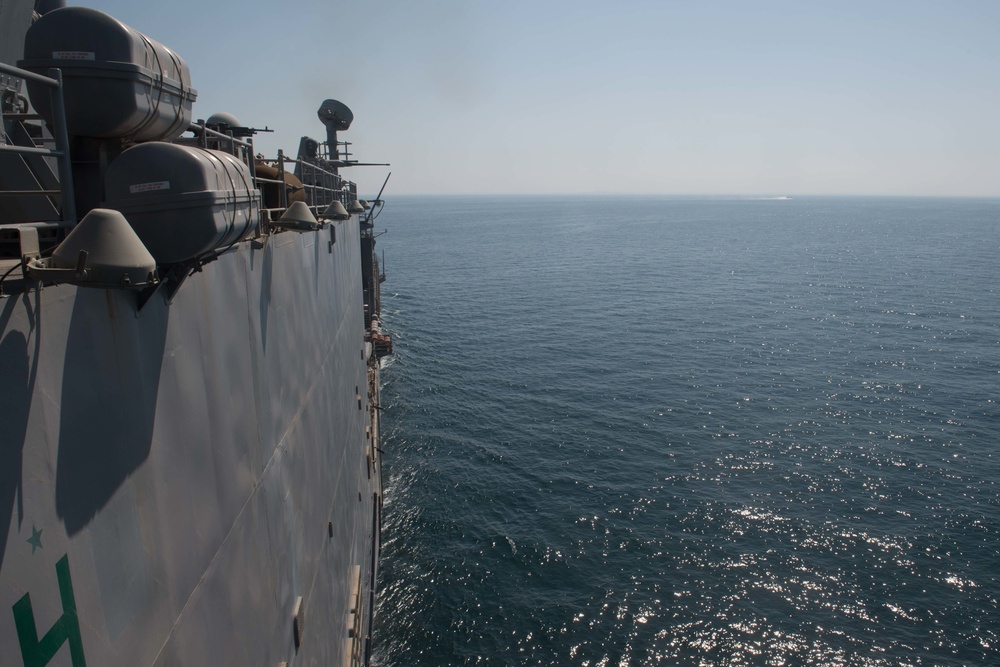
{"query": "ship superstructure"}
[(189, 348)]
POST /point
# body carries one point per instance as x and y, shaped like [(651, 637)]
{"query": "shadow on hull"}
[(110, 361)]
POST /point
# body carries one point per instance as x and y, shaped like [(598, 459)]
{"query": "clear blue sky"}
[(613, 97)]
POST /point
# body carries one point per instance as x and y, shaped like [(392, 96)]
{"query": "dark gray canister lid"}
[(182, 201), (118, 82)]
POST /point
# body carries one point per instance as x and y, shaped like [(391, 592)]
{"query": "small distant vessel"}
[(190, 470)]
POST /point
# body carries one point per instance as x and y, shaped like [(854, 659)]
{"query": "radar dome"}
[(223, 118)]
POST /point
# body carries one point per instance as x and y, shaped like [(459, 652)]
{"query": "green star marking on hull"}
[(36, 539)]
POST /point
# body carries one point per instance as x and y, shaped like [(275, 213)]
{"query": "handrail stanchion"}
[(68, 204), (283, 196)]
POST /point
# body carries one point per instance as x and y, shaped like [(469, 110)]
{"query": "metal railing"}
[(59, 133), (323, 186), (236, 147)]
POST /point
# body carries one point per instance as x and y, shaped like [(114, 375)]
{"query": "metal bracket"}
[(34, 267), (177, 275), (171, 282)]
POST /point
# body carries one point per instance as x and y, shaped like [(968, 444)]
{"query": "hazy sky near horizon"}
[(725, 97)]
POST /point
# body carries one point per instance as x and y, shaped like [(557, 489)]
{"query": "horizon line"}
[(732, 195)]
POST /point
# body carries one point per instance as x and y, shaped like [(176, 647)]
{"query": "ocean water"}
[(641, 431)]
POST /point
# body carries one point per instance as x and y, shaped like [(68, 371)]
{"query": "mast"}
[(335, 116)]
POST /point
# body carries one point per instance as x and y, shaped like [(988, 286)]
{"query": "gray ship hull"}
[(200, 466), (189, 464)]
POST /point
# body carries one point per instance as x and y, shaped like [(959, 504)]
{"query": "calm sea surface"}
[(636, 431)]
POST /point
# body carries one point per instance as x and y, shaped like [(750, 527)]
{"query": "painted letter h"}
[(37, 653)]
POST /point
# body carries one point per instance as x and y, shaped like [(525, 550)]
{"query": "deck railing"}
[(59, 134)]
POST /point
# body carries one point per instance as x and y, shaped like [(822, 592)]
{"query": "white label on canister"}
[(74, 55), (149, 187)]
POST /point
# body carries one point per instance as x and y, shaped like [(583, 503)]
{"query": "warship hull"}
[(191, 475)]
